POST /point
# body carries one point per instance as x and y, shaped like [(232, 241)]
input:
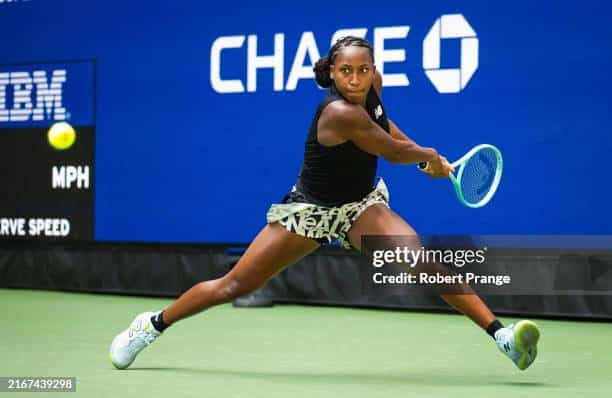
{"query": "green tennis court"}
[(291, 351)]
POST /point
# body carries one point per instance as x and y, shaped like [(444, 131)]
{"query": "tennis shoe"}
[(127, 344), (519, 342)]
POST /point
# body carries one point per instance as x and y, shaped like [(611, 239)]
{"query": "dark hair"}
[(321, 68)]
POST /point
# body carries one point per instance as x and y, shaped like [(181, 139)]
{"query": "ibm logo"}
[(34, 96)]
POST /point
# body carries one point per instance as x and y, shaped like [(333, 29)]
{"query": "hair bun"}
[(321, 70)]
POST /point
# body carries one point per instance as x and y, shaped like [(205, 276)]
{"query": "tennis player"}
[(334, 198)]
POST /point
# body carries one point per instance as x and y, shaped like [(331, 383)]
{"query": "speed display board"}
[(48, 193)]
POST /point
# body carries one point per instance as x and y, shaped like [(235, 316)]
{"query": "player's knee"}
[(231, 288)]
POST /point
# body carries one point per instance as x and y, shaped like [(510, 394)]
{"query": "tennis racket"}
[(478, 175)]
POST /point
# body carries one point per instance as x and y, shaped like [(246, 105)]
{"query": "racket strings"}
[(478, 175)]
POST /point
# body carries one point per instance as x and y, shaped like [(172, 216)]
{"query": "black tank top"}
[(334, 175)]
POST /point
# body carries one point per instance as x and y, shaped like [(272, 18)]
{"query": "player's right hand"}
[(438, 168)]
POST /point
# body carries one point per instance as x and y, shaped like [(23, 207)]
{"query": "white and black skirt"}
[(321, 223)]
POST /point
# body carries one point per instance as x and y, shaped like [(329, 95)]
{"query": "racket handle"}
[(422, 165)]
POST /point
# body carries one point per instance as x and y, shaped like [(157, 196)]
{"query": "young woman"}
[(333, 199)]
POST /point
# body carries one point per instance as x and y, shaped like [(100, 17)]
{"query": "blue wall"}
[(177, 161)]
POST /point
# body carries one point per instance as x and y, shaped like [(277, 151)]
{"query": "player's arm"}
[(351, 122), (393, 129), (398, 134)]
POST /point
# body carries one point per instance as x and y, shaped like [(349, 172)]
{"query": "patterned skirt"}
[(324, 224)]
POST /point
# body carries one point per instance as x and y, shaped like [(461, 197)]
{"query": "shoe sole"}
[(527, 335)]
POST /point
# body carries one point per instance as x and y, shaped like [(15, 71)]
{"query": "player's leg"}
[(518, 342), (380, 220), (272, 250)]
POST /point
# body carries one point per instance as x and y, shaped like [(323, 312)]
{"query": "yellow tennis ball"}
[(61, 136)]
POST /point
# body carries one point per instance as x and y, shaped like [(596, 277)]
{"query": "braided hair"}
[(322, 67)]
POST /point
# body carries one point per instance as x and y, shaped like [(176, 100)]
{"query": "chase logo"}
[(36, 95), (40, 95), (389, 48), (450, 80)]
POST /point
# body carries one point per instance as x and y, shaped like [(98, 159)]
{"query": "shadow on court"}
[(353, 378)]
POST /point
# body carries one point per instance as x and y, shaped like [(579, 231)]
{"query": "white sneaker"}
[(519, 342), (132, 340)]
